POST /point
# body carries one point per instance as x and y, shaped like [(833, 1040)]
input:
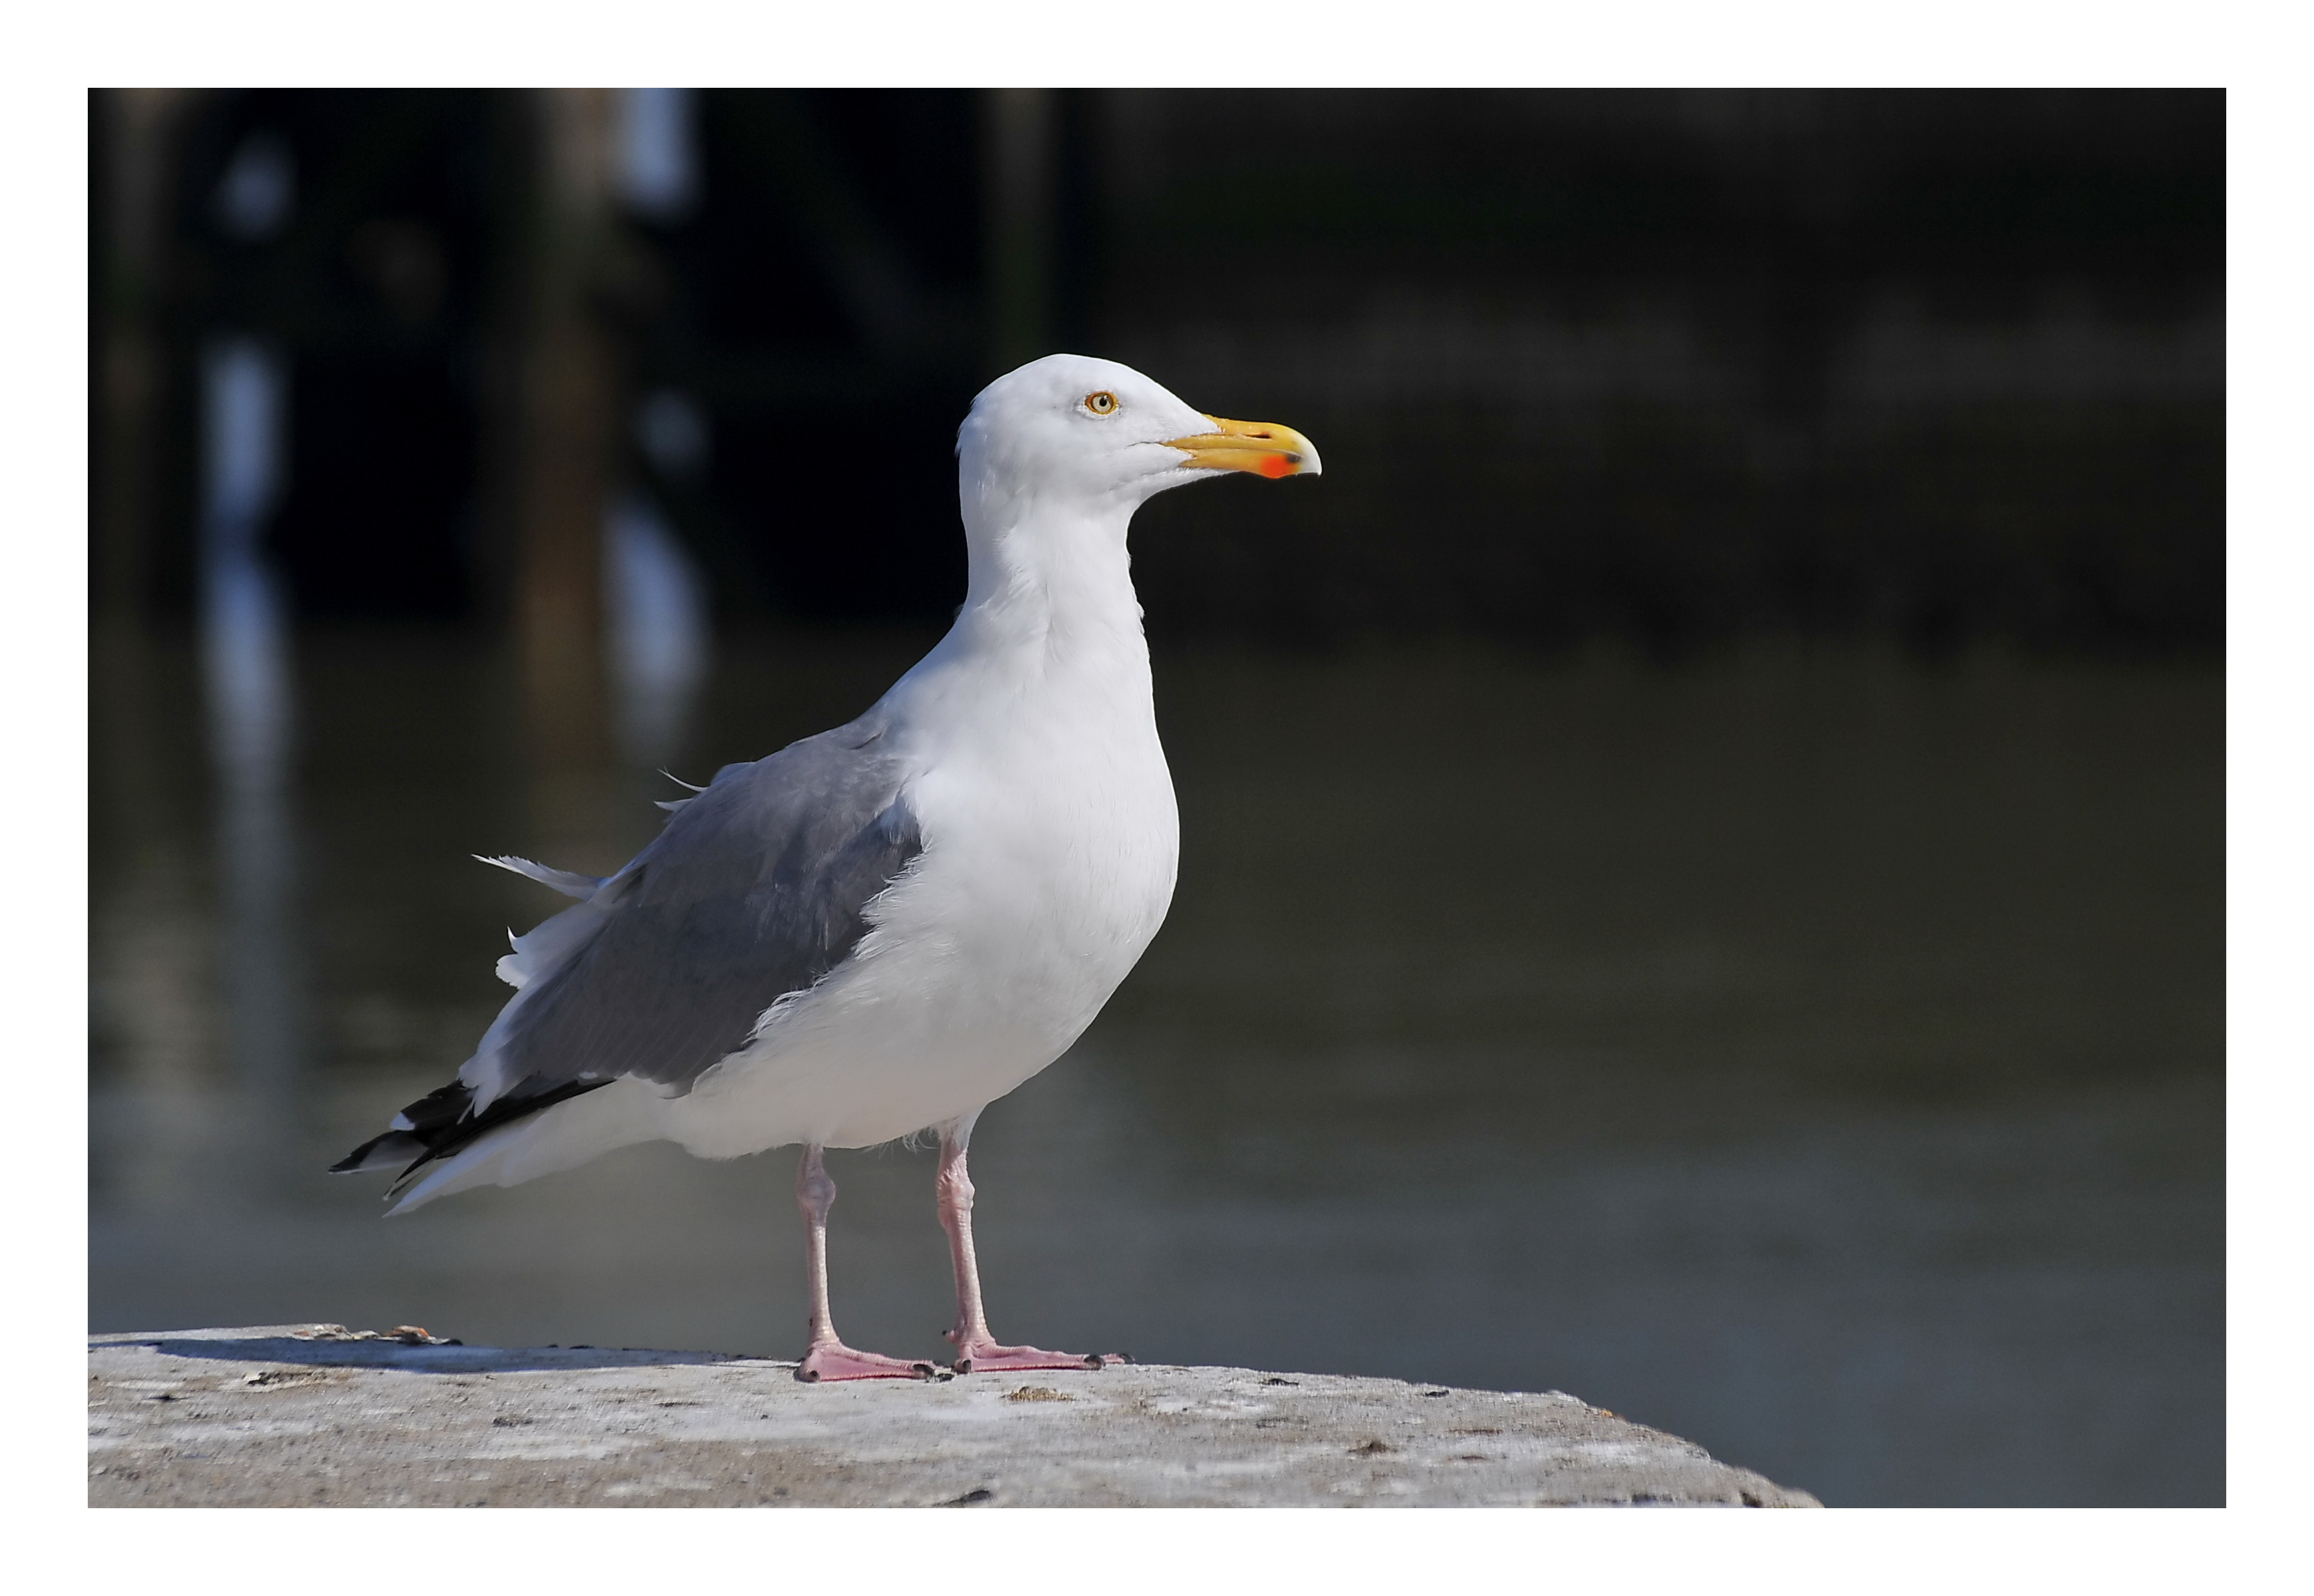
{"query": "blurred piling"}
[(134, 129), (566, 390), (1940, 368)]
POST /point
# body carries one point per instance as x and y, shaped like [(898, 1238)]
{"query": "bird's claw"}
[(988, 1358), (836, 1360)]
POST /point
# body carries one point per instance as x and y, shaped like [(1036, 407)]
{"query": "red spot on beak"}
[(1276, 465)]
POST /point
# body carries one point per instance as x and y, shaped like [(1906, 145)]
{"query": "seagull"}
[(879, 930)]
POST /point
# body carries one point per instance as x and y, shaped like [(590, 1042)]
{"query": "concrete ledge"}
[(303, 1414)]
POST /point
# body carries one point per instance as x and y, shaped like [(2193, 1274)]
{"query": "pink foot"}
[(986, 1357), (833, 1359)]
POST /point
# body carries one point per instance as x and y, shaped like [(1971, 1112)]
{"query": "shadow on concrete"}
[(443, 1358)]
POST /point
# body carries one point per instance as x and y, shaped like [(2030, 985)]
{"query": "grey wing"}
[(757, 887)]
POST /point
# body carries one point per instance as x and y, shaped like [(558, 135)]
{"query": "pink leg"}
[(828, 1358), (977, 1349)]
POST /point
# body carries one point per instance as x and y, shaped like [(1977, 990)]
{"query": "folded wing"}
[(758, 888)]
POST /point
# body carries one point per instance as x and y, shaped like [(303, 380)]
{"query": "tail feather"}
[(563, 1137), (446, 1123)]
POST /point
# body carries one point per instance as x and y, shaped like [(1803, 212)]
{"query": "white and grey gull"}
[(882, 929)]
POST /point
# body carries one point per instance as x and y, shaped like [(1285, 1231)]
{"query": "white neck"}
[(1055, 576), (1049, 612)]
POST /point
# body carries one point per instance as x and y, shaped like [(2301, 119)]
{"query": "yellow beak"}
[(1262, 447)]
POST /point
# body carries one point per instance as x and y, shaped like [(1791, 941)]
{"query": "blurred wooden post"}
[(1018, 171), (566, 431), (137, 126)]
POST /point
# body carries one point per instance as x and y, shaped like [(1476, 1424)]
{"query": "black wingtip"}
[(379, 1152), (439, 1125)]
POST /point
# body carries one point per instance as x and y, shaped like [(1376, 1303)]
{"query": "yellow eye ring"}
[(1103, 404)]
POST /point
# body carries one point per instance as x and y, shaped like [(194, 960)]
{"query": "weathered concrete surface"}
[(277, 1417)]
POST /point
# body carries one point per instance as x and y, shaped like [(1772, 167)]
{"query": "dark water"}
[(1814, 1055)]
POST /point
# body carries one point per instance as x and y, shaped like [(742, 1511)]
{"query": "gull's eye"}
[(1103, 404)]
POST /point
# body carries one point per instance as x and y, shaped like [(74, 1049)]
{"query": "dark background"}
[(1678, 368), (1702, 831)]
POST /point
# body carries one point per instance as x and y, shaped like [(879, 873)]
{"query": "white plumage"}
[(1015, 778)]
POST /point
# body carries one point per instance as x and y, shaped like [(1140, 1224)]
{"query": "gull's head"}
[(1070, 431)]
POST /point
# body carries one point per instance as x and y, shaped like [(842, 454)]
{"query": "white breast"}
[(1050, 844)]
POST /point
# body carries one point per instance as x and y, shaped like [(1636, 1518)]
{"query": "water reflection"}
[(656, 607), (1814, 1055), (657, 163), (246, 673)]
